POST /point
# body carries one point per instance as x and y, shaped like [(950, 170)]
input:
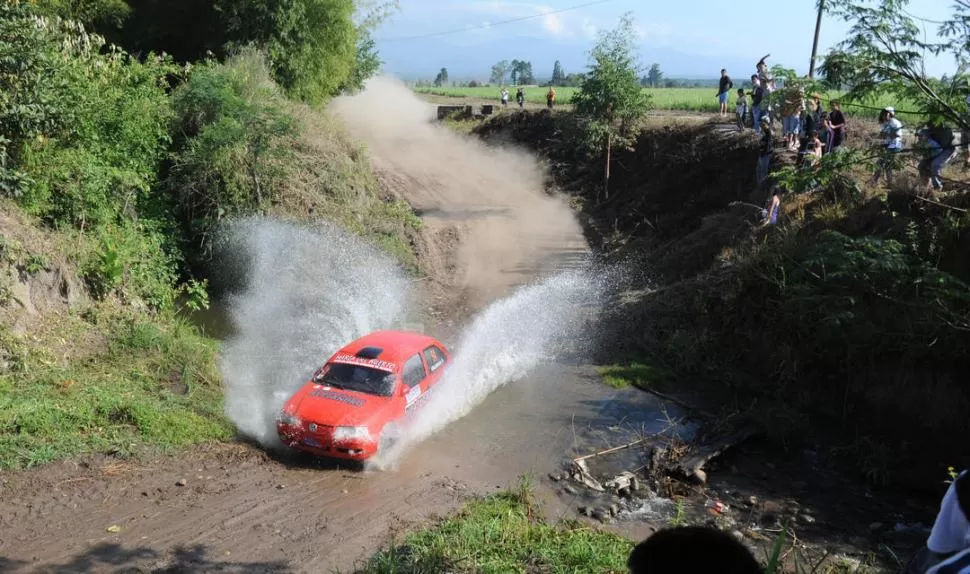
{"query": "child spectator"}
[(505, 98), (520, 97), (774, 207), (550, 97), (741, 109)]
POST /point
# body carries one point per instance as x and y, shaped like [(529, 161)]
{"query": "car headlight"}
[(351, 433), (288, 419)]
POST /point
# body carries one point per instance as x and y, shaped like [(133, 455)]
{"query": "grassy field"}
[(504, 533), (134, 383), (683, 99)]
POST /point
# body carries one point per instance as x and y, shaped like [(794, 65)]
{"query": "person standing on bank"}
[(724, 91)]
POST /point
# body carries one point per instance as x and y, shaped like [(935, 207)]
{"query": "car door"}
[(414, 377), (436, 362)]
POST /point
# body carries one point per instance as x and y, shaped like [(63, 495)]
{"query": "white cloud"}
[(589, 29)]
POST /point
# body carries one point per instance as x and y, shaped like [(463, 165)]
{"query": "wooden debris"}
[(691, 465)]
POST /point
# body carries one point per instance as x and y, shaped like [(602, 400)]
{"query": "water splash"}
[(534, 325), (307, 291)]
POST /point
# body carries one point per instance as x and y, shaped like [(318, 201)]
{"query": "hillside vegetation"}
[(116, 173)]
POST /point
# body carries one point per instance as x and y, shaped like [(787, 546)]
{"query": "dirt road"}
[(239, 510)]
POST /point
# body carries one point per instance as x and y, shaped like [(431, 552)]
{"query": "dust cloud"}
[(306, 292), (507, 224)]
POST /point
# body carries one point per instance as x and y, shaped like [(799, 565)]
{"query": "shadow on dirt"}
[(300, 460), (114, 558)]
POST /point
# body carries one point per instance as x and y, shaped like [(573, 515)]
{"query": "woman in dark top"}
[(837, 126)]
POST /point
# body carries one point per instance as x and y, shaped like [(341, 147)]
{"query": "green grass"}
[(146, 383), (502, 534), (682, 99), (633, 374)]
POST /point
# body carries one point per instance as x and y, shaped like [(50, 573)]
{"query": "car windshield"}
[(356, 378)]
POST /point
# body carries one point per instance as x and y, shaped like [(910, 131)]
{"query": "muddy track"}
[(233, 508)]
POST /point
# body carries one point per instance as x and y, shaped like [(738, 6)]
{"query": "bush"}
[(87, 130), (231, 153)]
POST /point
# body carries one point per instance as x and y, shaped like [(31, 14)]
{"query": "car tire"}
[(390, 434)]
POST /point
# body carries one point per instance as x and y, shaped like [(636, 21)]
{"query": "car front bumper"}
[(299, 439)]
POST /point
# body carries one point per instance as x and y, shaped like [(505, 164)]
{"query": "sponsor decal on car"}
[(328, 394), (418, 400), (352, 360)]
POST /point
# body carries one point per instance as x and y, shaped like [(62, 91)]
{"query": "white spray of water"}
[(503, 344), (308, 291)]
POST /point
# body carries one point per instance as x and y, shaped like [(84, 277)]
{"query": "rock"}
[(584, 510), (568, 489), (181, 482), (875, 526), (700, 476), (601, 514), (807, 518), (280, 486), (554, 477), (752, 501), (614, 509), (738, 535)]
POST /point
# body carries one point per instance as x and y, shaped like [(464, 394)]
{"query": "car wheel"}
[(389, 437)]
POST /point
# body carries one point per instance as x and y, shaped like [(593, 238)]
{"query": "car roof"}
[(390, 346)]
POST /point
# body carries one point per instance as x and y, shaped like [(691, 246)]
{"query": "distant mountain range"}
[(422, 58)]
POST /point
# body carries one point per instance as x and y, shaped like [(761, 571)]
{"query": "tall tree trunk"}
[(606, 169)]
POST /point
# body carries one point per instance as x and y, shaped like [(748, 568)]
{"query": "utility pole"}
[(818, 25)]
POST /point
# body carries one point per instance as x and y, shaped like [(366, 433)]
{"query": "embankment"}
[(844, 327)]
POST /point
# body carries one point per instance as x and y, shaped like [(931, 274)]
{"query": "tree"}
[(312, 44), (499, 71), (655, 77), (610, 99), (442, 78), (558, 76), (884, 54), (522, 73)]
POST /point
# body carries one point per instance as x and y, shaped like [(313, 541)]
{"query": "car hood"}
[(339, 407)]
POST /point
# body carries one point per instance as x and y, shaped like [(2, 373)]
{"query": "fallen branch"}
[(927, 200), (609, 450), (691, 466), (676, 401)]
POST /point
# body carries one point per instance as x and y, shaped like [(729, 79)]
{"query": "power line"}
[(492, 24), (915, 17)]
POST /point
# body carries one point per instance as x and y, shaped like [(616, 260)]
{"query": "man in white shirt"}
[(948, 547)]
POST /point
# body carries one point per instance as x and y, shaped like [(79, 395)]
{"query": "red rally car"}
[(355, 404)]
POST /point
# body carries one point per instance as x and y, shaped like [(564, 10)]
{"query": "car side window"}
[(413, 371), (435, 357)]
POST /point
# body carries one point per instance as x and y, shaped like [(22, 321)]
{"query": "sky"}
[(688, 38)]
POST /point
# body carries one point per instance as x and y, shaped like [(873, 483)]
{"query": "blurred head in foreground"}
[(692, 549)]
